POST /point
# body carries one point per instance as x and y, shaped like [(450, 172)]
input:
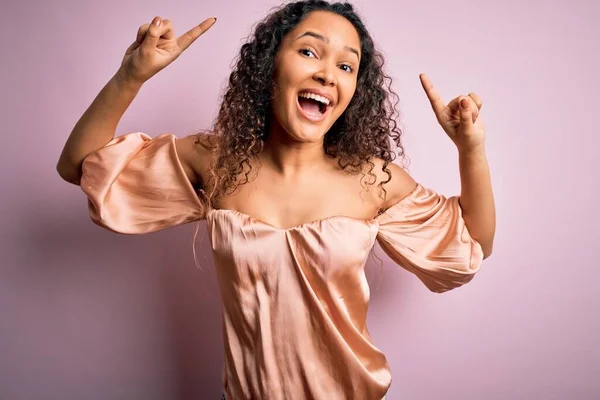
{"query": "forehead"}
[(336, 28)]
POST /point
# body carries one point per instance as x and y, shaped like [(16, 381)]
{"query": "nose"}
[(325, 76)]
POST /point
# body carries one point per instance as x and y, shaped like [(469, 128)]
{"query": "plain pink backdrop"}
[(88, 314)]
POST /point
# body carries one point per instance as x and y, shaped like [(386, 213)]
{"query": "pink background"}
[(87, 314)]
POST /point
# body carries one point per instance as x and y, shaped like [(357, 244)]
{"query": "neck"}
[(290, 157)]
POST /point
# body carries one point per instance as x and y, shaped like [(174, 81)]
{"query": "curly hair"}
[(362, 132)]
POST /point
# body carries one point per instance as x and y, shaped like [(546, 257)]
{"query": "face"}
[(316, 70)]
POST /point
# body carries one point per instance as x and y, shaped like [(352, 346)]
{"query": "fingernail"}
[(157, 22), (464, 103)]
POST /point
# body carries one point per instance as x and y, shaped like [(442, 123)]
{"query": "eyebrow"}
[(326, 40)]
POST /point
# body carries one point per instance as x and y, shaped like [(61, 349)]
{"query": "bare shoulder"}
[(400, 184), (195, 155)]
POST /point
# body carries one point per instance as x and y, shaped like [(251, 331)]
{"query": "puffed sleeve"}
[(136, 184), (426, 234)]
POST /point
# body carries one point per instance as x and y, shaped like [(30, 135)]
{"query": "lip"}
[(313, 118)]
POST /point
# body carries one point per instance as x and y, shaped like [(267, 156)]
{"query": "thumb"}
[(466, 115), (152, 35)]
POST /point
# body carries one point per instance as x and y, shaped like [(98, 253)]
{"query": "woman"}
[(296, 184)]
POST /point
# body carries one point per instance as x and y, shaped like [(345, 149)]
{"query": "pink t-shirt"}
[(294, 301)]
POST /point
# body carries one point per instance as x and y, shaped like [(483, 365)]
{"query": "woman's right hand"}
[(156, 47)]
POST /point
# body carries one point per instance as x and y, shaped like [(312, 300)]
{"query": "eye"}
[(307, 52), (347, 68)]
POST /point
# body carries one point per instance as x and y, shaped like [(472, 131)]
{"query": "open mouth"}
[(314, 107)]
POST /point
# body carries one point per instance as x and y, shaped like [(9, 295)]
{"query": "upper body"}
[(294, 291), (295, 194)]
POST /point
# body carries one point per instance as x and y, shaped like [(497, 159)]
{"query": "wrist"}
[(123, 79), (476, 152)]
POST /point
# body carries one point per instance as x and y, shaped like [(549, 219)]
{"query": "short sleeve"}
[(426, 234), (136, 184)]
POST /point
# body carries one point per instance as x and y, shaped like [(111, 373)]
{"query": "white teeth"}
[(316, 97)]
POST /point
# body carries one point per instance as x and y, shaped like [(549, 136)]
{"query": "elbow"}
[(486, 243), (486, 248), (67, 173)]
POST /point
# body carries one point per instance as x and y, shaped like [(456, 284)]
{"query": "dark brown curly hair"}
[(362, 132)]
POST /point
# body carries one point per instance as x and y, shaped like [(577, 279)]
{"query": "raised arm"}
[(154, 48), (461, 120)]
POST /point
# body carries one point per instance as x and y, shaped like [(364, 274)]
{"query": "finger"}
[(454, 105), (185, 40), (142, 33), (155, 32), (466, 114), (476, 99), (168, 32), (152, 34), (434, 97)]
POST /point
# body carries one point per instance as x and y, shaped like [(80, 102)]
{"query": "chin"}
[(306, 132), (307, 137)]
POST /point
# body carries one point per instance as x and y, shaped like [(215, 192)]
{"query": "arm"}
[(97, 125), (155, 47), (461, 121), (477, 198)]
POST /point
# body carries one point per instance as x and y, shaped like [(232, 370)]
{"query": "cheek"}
[(281, 108), (280, 100), (286, 71), (281, 91), (346, 96)]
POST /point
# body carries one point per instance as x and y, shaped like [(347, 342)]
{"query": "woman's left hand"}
[(459, 118)]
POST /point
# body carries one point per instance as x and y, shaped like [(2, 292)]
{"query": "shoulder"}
[(194, 152), (400, 183)]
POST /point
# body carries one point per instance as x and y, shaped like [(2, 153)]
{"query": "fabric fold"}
[(426, 234), (136, 184)]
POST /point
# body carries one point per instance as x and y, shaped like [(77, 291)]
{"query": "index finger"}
[(434, 97), (184, 41)]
